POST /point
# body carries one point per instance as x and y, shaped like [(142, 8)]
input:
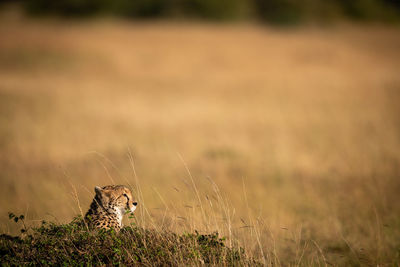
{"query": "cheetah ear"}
[(98, 190)]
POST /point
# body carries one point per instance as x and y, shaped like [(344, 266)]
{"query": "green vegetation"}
[(72, 244), (286, 142), (272, 11)]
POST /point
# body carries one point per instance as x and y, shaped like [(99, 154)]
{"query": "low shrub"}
[(73, 244)]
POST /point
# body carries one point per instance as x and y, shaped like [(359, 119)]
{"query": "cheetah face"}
[(116, 199)]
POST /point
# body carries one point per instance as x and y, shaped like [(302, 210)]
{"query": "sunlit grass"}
[(285, 142)]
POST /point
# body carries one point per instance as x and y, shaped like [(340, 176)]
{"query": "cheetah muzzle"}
[(108, 207)]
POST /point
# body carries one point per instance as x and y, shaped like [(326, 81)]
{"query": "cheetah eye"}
[(125, 195)]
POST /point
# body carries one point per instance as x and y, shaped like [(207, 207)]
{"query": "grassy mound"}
[(73, 244)]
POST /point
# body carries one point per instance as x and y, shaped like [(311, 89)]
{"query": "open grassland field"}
[(285, 141)]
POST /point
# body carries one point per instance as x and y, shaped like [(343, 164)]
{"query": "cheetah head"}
[(115, 199)]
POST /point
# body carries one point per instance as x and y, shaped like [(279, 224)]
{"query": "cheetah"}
[(109, 205)]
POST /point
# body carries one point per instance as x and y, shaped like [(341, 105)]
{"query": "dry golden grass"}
[(284, 140)]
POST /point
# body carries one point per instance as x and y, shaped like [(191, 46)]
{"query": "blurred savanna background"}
[(273, 122)]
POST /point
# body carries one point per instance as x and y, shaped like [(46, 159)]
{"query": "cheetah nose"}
[(134, 203)]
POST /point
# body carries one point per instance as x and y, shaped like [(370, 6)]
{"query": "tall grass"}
[(286, 142)]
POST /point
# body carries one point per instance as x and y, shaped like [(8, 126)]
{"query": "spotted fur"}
[(109, 205)]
